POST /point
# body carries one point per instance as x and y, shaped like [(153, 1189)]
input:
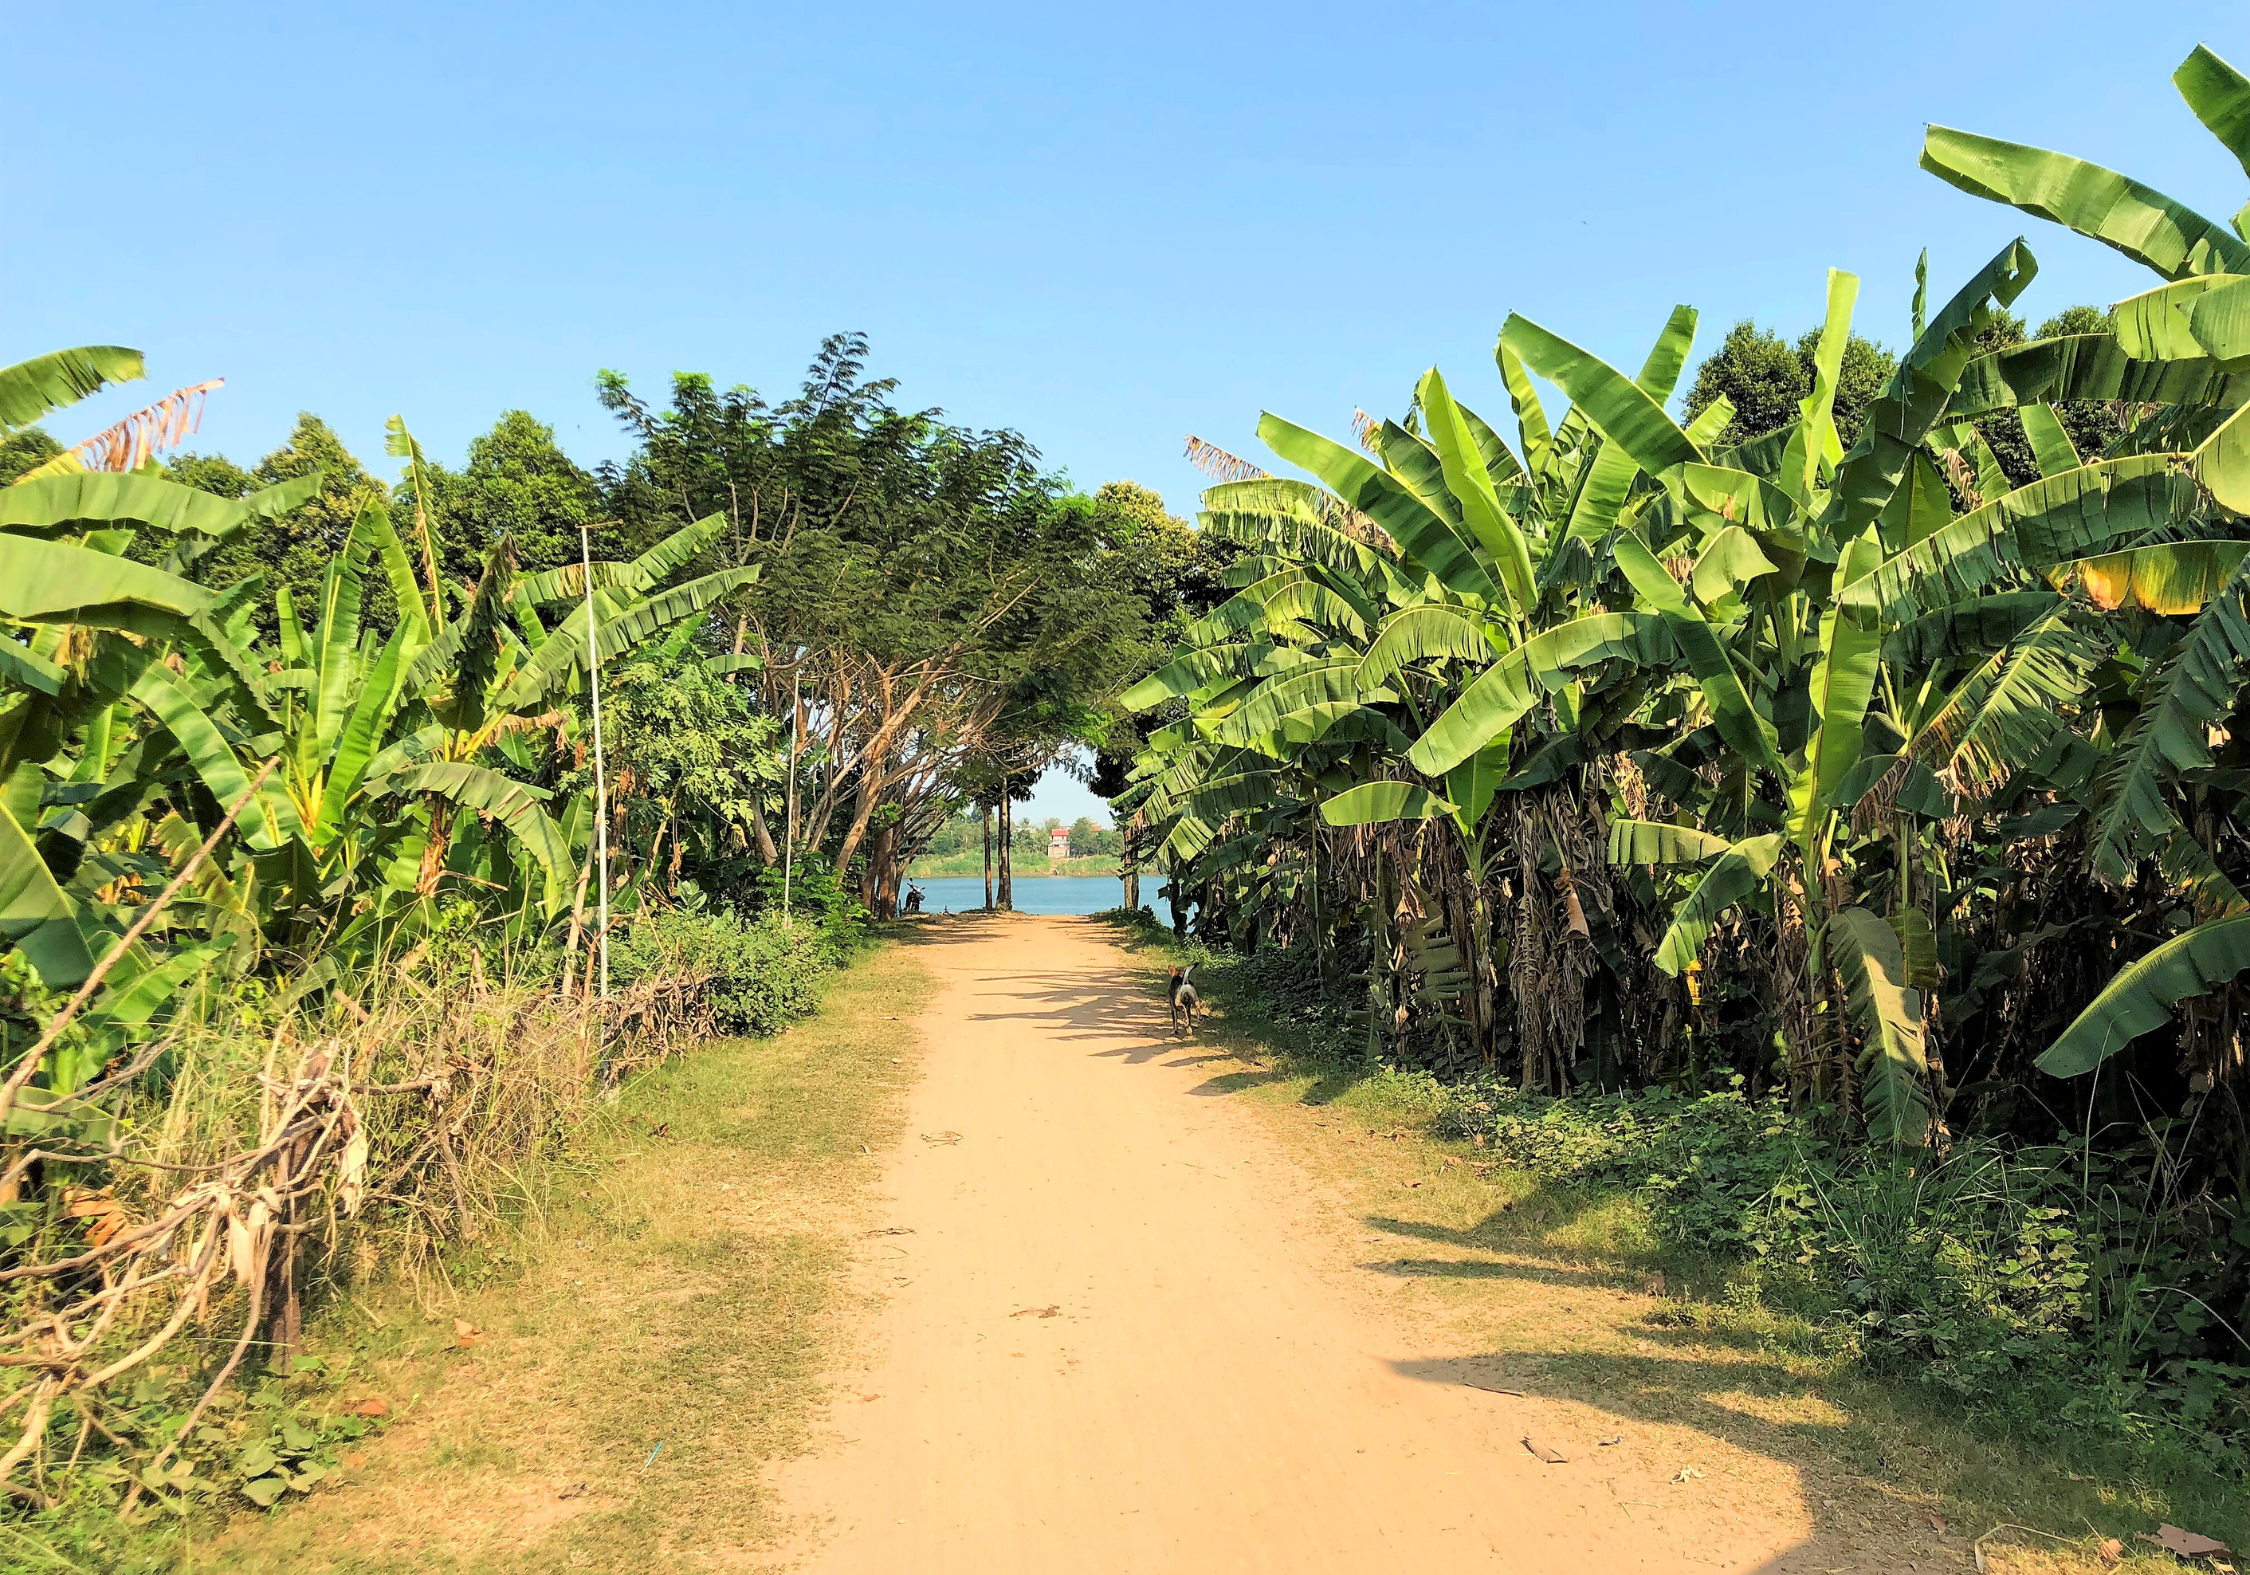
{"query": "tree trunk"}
[(1172, 896), (1007, 853), (882, 876), (988, 859)]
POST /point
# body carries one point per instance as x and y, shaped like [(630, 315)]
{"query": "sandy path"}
[(1210, 1391)]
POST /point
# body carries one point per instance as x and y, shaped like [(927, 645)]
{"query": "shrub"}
[(757, 974)]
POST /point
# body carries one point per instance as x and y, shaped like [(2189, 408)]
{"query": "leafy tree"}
[(20, 451), (1085, 838), (293, 549), (928, 602), (517, 485), (1766, 378)]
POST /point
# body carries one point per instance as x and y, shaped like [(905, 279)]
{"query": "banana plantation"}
[(1585, 750)]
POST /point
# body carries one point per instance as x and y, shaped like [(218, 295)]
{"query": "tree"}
[(1764, 378), (294, 549), (929, 599), (516, 484), (20, 451), (1085, 838)]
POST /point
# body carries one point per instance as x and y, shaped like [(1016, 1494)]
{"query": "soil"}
[(1117, 1323)]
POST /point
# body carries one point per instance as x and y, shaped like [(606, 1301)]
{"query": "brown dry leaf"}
[(2187, 1544), (1038, 1312), (104, 1214), (1410, 1185), (1552, 1457), (466, 1334), (1654, 1284), (373, 1405), (2112, 1551), (1937, 1524)]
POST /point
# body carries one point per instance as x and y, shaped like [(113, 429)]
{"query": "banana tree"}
[(2172, 589)]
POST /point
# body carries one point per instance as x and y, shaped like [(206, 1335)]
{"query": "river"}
[(1035, 893)]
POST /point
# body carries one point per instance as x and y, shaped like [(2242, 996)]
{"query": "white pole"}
[(601, 786), (789, 816)]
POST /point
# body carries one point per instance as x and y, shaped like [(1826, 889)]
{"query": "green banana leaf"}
[(55, 582), (2005, 710), (34, 388), (336, 632), (1814, 444), (44, 503), (1918, 393), (1471, 485), (2050, 444), (35, 915), (1432, 631), (516, 805), (565, 650), (1736, 874), (1531, 416), (1190, 670), (1422, 534), (379, 696), (2220, 97), (1504, 691), (2142, 994), (160, 690), (2053, 520), (1376, 803), (2093, 365), (1329, 681), (1617, 405), (1749, 732), (1893, 1063), (2143, 223), (2222, 462), (1661, 842), (1972, 628), (2186, 696), (1608, 477), (656, 565), (1843, 683)]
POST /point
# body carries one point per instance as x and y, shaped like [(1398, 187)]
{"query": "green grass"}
[(1557, 1285), (681, 1294)]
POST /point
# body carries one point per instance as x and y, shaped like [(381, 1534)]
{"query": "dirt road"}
[(1117, 1330)]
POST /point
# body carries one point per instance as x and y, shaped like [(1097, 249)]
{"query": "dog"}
[(1184, 998)]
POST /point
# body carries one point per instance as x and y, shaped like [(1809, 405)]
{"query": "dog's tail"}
[(1187, 973)]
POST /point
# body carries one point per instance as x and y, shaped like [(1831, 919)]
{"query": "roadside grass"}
[(639, 1354), (1570, 1291)]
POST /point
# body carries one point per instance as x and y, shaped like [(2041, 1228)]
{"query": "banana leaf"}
[(1893, 1063), (2142, 994), (34, 388), (2143, 223)]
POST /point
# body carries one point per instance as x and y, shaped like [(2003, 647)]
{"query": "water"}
[(1034, 893)]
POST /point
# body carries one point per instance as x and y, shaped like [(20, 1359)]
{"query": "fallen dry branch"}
[(395, 1131)]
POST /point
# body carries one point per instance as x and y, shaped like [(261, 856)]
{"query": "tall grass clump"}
[(167, 1228)]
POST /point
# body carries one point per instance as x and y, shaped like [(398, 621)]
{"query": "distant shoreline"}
[(1095, 864)]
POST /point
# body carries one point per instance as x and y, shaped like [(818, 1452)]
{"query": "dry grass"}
[(683, 1297)]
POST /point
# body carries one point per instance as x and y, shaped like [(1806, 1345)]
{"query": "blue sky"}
[(1105, 226)]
